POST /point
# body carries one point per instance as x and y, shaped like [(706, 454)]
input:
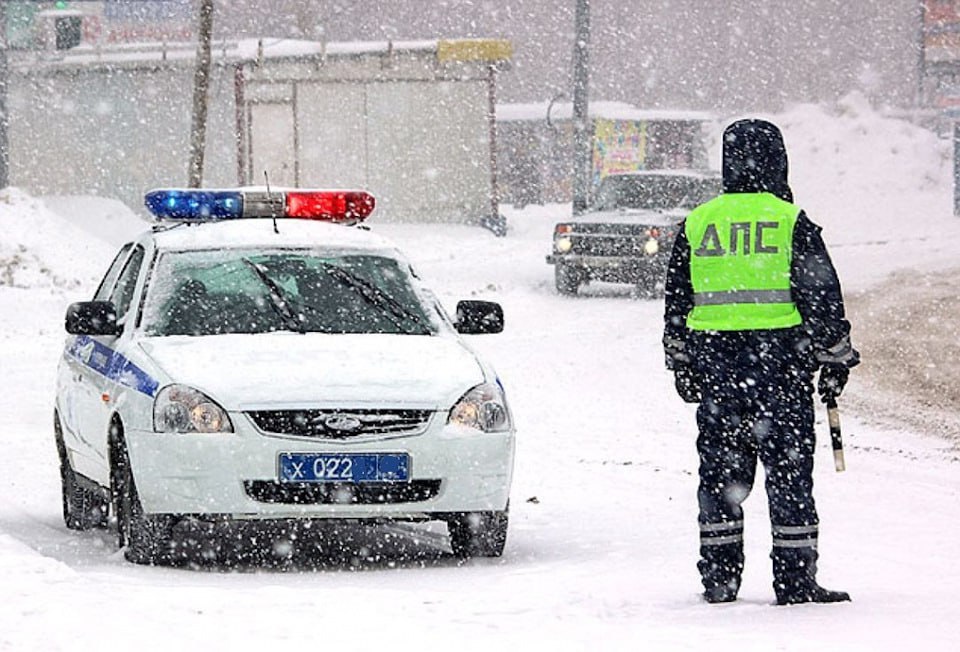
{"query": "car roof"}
[(693, 174), (259, 232)]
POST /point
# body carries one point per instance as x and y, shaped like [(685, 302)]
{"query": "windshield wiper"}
[(278, 298), (396, 311)]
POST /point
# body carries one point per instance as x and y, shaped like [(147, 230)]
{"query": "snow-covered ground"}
[(603, 539)]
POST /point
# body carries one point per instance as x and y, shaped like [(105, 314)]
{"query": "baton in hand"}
[(833, 417)]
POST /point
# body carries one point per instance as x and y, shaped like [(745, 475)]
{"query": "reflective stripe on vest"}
[(741, 247), (742, 296)]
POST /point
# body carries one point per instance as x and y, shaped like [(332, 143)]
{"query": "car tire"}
[(478, 534), (147, 538), (83, 509), (568, 279)]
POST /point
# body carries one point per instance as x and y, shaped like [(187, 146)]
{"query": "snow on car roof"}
[(259, 232)]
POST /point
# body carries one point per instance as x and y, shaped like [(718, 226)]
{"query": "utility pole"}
[(201, 81), (4, 119), (581, 126)]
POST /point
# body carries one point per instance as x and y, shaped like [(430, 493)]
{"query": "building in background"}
[(412, 122), (43, 25)]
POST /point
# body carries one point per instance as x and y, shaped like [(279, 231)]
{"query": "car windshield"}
[(213, 292), (655, 191)]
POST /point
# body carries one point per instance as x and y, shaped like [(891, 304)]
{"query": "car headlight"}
[(651, 246), (179, 408), (564, 245), (483, 408)]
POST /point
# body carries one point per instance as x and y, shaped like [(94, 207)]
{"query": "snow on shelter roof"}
[(604, 110), (256, 49)]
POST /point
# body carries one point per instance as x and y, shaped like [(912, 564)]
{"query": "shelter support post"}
[(956, 168)]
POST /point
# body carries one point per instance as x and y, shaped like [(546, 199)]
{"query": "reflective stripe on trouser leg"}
[(795, 536), (720, 534), (794, 556)]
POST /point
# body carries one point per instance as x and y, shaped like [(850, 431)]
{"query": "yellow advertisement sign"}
[(474, 50), (618, 146)]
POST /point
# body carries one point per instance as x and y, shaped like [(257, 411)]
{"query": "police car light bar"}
[(196, 205)]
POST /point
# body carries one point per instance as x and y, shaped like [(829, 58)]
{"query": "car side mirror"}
[(92, 318), (479, 317)]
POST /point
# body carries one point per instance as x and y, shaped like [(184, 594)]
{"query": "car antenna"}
[(273, 212)]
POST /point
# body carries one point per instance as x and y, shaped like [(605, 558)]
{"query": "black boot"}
[(812, 592), (795, 578), (720, 569), (718, 594)]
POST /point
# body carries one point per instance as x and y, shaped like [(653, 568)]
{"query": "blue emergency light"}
[(195, 205), (201, 205)]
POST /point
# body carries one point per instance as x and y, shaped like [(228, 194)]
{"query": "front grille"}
[(341, 493), (624, 240), (340, 424), (624, 246)]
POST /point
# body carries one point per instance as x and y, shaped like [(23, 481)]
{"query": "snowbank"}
[(881, 188), (41, 249), (863, 176)]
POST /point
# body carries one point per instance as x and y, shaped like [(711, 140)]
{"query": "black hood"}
[(755, 159)]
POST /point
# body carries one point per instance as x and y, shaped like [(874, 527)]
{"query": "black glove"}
[(833, 378), (687, 382)]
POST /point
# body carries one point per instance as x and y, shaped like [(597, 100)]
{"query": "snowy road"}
[(603, 538)]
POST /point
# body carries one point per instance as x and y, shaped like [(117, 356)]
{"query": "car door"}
[(75, 387), (99, 356)]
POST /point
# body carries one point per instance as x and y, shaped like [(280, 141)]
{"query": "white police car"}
[(233, 368)]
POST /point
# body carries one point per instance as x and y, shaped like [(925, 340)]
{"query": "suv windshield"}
[(655, 191), (242, 291)]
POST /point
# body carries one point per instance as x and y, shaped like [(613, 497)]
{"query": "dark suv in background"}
[(628, 231)]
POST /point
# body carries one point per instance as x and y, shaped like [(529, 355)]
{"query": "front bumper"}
[(615, 268), (236, 475)]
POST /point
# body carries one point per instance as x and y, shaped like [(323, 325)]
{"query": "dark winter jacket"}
[(755, 160)]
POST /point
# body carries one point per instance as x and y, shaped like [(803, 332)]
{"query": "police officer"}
[(753, 309)]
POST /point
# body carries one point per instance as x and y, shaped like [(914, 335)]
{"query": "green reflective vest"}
[(741, 246)]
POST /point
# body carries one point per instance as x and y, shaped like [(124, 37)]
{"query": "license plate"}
[(354, 467), (606, 263)]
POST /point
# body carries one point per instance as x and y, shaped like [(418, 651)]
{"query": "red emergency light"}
[(330, 205)]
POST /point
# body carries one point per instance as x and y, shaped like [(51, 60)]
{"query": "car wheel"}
[(568, 279), (478, 534), (83, 509), (148, 539)]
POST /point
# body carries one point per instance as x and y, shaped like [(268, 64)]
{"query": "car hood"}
[(284, 369), (633, 216)]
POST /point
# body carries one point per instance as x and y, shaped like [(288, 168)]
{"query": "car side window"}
[(103, 291), (123, 293)]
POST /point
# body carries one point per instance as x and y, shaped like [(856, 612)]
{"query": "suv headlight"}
[(179, 408), (483, 408)]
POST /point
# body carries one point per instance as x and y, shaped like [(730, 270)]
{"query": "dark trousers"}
[(757, 404)]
